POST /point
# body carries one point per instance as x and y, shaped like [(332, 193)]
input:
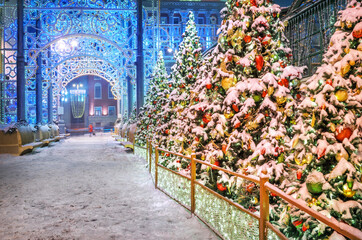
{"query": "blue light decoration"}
[(75, 38), (77, 100)]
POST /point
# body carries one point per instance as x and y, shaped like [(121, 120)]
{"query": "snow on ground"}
[(87, 188)]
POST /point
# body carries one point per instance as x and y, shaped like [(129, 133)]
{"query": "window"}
[(98, 111), (163, 20), (97, 91), (201, 20), (111, 110), (110, 94)]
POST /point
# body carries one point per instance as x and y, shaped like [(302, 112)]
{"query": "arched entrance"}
[(61, 35)]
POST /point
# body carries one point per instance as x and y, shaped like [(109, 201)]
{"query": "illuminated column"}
[(20, 65), (130, 96), (140, 93), (39, 80)]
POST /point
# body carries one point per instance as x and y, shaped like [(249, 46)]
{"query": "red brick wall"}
[(105, 101)]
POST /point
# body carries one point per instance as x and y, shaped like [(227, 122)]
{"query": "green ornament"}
[(257, 98), (315, 188), (281, 158)]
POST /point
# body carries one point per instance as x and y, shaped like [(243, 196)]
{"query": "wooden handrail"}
[(265, 187), (247, 177), (340, 227), (173, 153)]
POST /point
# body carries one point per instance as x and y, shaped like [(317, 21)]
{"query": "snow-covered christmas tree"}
[(147, 119), (246, 109), (327, 146), (174, 129)]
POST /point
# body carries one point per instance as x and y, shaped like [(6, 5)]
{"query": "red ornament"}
[(305, 227), (196, 99), (263, 150), (170, 85), (220, 187), (264, 94), (247, 38), (250, 187), (237, 125), (322, 153), (329, 82), (223, 148), (235, 107), (357, 33), (190, 75), (237, 3), (154, 102), (230, 58), (297, 222), (216, 163), (259, 62), (342, 133), (149, 115), (273, 194), (253, 2), (299, 174), (284, 82), (167, 131), (167, 155), (183, 84), (299, 96), (209, 86), (274, 14)]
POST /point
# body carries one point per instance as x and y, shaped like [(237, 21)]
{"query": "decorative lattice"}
[(229, 221), (272, 235), (140, 152), (176, 186)]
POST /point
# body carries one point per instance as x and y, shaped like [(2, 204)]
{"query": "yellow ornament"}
[(342, 154), (332, 127), (254, 200), (270, 90), (228, 115), (281, 100), (359, 47), (227, 83), (295, 142), (313, 120), (289, 112), (346, 50), (251, 125), (313, 202), (308, 158), (167, 95), (347, 191), (345, 69), (352, 62), (342, 95), (349, 24)]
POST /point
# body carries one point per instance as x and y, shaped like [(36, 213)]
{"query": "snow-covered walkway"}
[(87, 188)]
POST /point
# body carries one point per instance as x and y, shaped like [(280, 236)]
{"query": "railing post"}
[(193, 178), (264, 206), (149, 156), (156, 169)]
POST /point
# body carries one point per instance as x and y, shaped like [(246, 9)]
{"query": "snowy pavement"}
[(87, 188)]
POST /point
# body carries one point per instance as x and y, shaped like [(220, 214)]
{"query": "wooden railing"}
[(265, 187)]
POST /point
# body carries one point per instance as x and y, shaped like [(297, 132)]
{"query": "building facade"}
[(94, 104)]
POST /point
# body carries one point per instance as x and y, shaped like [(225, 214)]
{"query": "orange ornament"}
[(343, 133)]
